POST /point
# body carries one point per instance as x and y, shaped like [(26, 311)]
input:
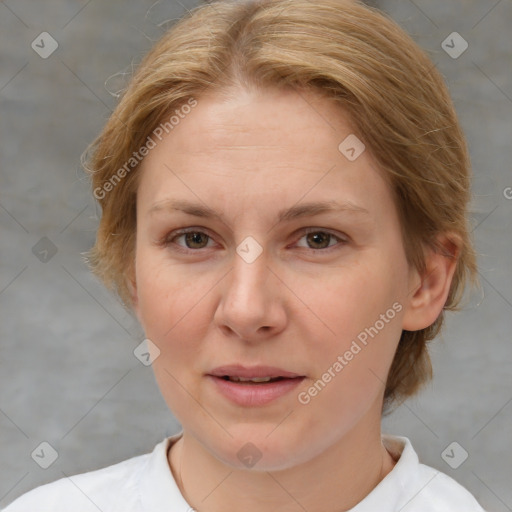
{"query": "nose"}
[(251, 306)]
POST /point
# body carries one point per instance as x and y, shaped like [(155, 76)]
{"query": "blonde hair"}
[(343, 50)]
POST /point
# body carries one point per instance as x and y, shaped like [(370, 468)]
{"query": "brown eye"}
[(321, 240), (194, 239)]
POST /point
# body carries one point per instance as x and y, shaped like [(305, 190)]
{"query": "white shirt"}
[(146, 484)]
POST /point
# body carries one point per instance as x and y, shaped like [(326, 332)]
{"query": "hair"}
[(352, 54)]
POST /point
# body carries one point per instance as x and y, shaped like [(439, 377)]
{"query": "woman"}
[(283, 188)]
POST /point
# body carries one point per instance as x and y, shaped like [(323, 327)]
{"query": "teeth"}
[(254, 379)]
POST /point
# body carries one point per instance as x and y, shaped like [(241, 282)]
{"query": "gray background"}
[(68, 375)]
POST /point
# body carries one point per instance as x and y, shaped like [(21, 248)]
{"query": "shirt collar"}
[(396, 489)]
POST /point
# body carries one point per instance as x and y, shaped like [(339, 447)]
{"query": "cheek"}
[(166, 295), (359, 314), (171, 311), (175, 311), (352, 299)]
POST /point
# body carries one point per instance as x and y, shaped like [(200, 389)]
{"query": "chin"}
[(250, 449)]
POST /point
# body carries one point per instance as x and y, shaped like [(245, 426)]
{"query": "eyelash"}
[(168, 240)]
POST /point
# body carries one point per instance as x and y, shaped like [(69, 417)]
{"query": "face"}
[(315, 293)]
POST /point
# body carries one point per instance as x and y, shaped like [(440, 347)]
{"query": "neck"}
[(343, 475)]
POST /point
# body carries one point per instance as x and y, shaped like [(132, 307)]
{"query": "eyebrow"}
[(295, 212)]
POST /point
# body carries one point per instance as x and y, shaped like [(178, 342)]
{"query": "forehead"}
[(274, 144), (270, 119)]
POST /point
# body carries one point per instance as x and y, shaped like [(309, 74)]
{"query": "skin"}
[(298, 306)]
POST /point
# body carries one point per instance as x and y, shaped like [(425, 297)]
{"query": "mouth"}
[(254, 374), (254, 386)]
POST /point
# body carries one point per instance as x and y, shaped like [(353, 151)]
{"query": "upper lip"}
[(249, 372)]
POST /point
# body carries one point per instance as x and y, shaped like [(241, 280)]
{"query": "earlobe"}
[(430, 290)]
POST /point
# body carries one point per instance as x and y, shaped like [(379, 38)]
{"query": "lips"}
[(253, 386)]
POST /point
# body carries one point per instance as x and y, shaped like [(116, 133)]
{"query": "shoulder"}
[(442, 493), (108, 489), (423, 488)]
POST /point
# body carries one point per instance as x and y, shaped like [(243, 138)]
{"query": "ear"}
[(428, 292)]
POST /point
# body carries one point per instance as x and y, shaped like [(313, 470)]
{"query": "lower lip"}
[(253, 395)]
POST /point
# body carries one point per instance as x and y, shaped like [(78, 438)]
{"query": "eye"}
[(192, 238), (317, 239)]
